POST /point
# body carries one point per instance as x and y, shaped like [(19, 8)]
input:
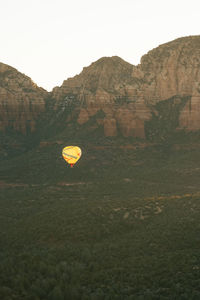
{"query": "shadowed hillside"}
[(122, 224)]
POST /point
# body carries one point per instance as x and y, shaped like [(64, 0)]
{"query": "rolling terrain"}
[(122, 224)]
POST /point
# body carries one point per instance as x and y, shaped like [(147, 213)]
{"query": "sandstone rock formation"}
[(21, 101), (170, 69), (108, 85), (128, 94)]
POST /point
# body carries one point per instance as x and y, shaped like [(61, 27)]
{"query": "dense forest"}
[(122, 224)]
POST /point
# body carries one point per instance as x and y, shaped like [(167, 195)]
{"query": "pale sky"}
[(52, 40)]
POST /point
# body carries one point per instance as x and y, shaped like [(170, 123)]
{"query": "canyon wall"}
[(21, 101), (127, 95)]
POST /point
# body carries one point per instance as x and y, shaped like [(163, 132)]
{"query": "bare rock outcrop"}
[(170, 69), (128, 94), (108, 85), (190, 114), (21, 100)]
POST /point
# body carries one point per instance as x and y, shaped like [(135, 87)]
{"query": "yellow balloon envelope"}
[(71, 154)]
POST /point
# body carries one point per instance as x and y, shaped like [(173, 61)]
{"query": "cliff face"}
[(173, 69), (21, 101), (108, 85), (128, 94)]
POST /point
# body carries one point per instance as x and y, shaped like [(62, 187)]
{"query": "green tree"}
[(56, 294)]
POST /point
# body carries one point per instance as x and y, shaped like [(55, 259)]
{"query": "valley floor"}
[(119, 230)]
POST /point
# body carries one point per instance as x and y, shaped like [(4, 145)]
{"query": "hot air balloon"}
[(71, 154)]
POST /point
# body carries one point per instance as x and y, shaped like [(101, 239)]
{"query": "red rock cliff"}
[(127, 94), (108, 85), (21, 101)]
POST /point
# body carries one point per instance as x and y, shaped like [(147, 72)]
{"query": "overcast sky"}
[(52, 40)]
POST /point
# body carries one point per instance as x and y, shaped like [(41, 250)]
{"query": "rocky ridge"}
[(21, 101), (108, 86), (126, 95)]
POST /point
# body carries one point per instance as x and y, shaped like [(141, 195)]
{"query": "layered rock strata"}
[(128, 94), (21, 101)]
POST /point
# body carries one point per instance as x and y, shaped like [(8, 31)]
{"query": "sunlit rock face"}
[(108, 86), (173, 69), (170, 69), (128, 94), (21, 101)]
